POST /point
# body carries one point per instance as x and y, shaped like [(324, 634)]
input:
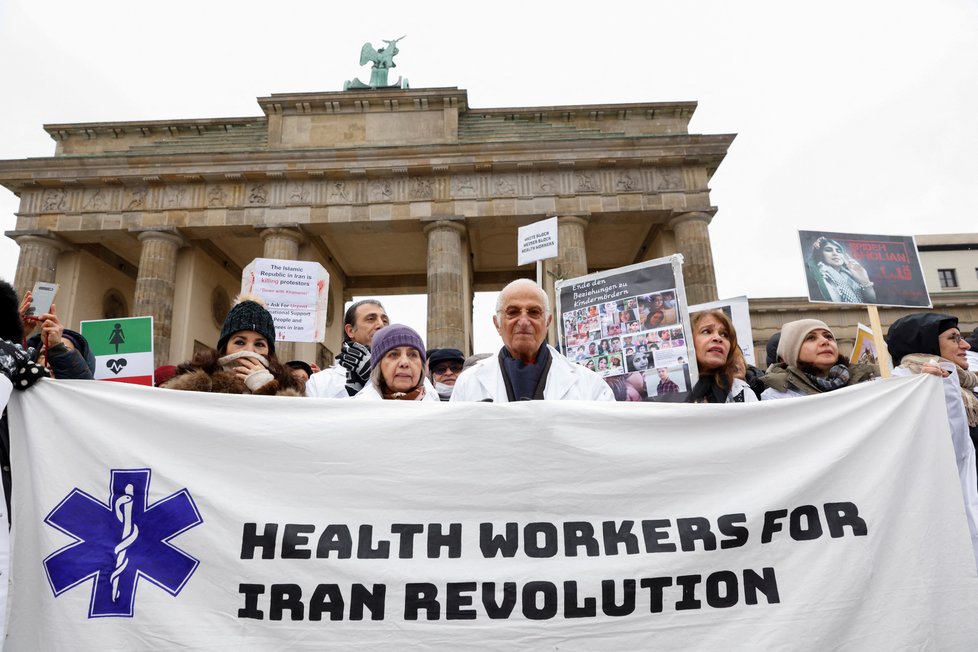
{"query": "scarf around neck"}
[(968, 381), (415, 394), (837, 377), (524, 381)]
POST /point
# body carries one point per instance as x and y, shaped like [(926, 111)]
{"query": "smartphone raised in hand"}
[(42, 296)]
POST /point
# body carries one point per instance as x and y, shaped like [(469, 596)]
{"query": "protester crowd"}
[(384, 361)]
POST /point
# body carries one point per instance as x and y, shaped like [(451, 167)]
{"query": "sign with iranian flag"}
[(123, 348)]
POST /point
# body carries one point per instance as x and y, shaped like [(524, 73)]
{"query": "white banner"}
[(148, 518)]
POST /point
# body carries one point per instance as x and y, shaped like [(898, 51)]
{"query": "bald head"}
[(522, 317)]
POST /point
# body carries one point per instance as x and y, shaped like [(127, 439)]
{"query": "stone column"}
[(282, 243), (571, 250), (693, 242), (38, 261), (571, 261), (446, 299), (155, 286)]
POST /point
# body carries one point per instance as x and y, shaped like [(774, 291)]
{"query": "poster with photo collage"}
[(630, 326)]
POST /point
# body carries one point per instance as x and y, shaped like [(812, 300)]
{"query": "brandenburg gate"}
[(393, 191)]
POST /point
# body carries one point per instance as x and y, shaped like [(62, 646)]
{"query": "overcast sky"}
[(855, 116)]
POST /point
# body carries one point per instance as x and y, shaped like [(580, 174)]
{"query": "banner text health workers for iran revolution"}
[(215, 521)]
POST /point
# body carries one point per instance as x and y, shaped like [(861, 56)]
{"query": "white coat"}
[(370, 393), (566, 381), (741, 387), (964, 449), (328, 383)]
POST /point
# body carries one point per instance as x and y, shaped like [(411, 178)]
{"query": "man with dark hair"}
[(666, 384), (352, 371)]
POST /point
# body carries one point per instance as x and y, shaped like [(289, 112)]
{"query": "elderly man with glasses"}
[(527, 368)]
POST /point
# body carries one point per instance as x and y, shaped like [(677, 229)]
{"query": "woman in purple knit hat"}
[(397, 359)]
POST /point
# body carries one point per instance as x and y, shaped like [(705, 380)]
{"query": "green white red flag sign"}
[(123, 348)]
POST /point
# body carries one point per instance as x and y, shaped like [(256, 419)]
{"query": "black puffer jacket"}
[(77, 364)]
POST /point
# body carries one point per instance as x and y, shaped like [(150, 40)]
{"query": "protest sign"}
[(864, 350), (537, 241), (738, 310), (295, 293), (208, 521), (882, 270), (628, 325), (123, 348)]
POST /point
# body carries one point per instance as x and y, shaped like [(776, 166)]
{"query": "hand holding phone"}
[(41, 298)]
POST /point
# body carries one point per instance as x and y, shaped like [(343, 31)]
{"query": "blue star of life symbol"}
[(118, 543)]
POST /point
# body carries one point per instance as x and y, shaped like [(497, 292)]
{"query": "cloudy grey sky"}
[(851, 115)]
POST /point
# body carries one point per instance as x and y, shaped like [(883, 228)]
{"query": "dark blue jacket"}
[(65, 363)]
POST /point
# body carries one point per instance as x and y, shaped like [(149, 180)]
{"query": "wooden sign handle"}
[(881, 352)]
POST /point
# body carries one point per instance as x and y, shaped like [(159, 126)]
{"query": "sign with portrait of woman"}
[(881, 270)]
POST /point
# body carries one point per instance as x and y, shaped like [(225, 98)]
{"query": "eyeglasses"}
[(444, 367), (956, 338), (514, 313)]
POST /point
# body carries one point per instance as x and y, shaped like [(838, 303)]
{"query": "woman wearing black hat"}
[(928, 342), (931, 343), (244, 361), (444, 366)]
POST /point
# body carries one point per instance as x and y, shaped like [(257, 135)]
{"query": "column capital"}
[(167, 233), (288, 231), (579, 219), (452, 222), (39, 236), (705, 216)]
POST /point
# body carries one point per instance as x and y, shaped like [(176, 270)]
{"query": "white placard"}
[(537, 241), (295, 293)]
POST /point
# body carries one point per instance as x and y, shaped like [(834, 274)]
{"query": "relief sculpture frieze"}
[(380, 190), (669, 179), (339, 193), (175, 197), (463, 185), (422, 188), (298, 193), (257, 194), (135, 199), (585, 182), (54, 200), (505, 184), (94, 200), (216, 196)]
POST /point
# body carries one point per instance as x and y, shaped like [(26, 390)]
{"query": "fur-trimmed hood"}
[(223, 382)]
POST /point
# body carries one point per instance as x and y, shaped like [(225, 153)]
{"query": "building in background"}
[(950, 265), (393, 191), (950, 261)]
